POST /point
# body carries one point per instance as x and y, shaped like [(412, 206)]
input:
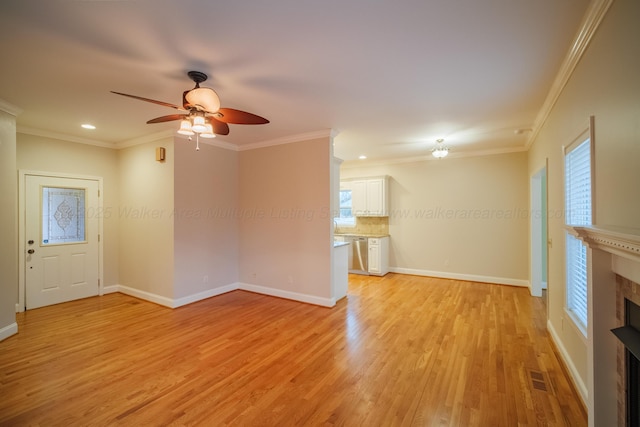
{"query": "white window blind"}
[(577, 279), (578, 185), (578, 212)]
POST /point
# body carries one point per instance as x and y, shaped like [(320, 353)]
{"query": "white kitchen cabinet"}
[(378, 255), (369, 196), (377, 197)]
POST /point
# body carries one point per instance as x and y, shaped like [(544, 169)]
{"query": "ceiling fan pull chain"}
[(197, 142)]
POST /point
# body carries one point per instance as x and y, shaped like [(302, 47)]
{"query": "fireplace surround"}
[(613, 276)]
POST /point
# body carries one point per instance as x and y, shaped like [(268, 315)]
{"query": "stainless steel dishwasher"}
[(359, 254)]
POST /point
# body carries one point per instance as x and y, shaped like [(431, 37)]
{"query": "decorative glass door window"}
[(63, 215)]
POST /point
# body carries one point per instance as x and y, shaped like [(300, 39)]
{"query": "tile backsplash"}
[(367, 225)]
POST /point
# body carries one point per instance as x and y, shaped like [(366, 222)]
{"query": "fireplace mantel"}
[(611, 251), (624, 242)]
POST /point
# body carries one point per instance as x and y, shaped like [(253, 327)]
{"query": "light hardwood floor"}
[(400, 350)]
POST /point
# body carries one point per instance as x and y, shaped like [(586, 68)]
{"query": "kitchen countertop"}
[(361, 235)]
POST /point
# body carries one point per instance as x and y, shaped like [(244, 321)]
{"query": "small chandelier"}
[(196, 124), (440, 151)]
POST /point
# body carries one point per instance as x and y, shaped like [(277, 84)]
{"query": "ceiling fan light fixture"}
[(209, 132), (185, 127), (440, 150), (204, 97), (199, 124)]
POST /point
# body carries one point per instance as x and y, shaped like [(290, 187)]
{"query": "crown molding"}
[(326, 133), (428, 157), (156, 136), (9, 108), (220, 143), (62, 137), (590, 22)]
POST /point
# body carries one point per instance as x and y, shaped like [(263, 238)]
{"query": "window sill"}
[(576, 325)]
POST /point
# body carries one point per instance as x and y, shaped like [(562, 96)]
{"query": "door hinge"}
[(98, 237), (98, 193)]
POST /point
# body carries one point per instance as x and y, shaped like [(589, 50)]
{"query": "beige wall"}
[(8, 224), (145, 215), (605, 84), (37, 153), (206, 225), (285, 201), (465, 216)]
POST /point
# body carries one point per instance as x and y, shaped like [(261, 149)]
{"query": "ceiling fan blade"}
[(219, 128), (153, 101), (230, 115), (169, 118)]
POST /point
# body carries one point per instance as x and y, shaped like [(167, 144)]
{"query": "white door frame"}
[(22, 174), (536, 240)]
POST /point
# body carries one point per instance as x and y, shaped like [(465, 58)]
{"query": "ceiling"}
[(390, 77)]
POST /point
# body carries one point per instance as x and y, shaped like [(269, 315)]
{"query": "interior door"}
[(61, 231)]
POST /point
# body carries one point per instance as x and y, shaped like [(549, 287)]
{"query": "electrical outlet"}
[(290, 279), (205, 279)]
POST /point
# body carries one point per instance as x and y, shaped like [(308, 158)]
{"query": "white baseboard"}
[(575, 376), (205, 294), (169, 302), (19, 309), (8, 331), (147, 296), (295, 296), (174, 303), (110, 289), (457, 276), (544, 285)]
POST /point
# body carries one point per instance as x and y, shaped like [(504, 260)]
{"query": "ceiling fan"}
[(202, 112)]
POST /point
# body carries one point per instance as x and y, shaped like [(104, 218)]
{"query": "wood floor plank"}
[(399, 351)]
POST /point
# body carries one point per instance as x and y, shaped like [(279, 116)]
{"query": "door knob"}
[(30, 251), (30, 242)]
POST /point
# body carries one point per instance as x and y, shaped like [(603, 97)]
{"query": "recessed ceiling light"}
[(362, 157), (88, 126)]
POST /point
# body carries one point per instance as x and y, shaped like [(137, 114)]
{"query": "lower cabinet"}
[(378, 255)]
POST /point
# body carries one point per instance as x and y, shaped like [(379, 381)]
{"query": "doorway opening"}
[(539, 237)]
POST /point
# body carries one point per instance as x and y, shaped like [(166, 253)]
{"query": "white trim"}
[(578, 328), (144, 139), (8, 331), (216, 142), (465, 277), (19, 309), (22, 231), (147, 296), (591, 21), (327, 133), (625, 267), (63, 137), (204, 295), (172, 303), (189, 299), (295, 296), (111, 289), (573, 371), (9, 108), (452, 155)]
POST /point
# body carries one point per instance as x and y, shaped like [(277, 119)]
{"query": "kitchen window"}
[(346, 218)]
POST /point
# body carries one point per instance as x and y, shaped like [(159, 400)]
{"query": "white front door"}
[(61, 232)]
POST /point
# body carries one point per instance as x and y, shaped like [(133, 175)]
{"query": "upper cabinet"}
[(369, 196)]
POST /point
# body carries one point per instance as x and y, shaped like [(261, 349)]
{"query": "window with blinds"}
[(578, 210)]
